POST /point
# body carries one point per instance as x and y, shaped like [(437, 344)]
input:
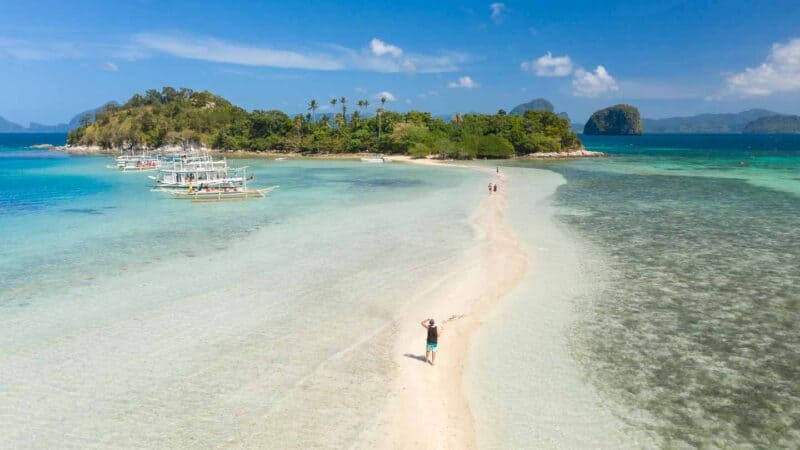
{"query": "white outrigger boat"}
[(136, 163), (220, 194), (207, 181), (376, 159), (182, 175)]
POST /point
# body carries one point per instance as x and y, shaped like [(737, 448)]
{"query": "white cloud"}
[(497, 11), (210, 49), (408, 62), (380, 57), (549, 66), (408, 101), (377, 56), (30, 50), (110, 67), (592, 84), (779, 73), (380, 48), (464, 82), (360, 90), (385, 94)]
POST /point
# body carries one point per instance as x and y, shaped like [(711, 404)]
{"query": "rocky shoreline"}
[(581, 153), (89, 150)]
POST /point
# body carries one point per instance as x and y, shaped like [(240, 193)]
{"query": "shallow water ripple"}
[(695, 334)]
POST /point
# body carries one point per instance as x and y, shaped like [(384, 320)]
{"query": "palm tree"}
[(312, 106), (363, 104), (380, 110), (343, 101), (333, 105)]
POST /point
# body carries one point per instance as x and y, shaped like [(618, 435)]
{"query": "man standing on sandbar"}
[(432, 343)]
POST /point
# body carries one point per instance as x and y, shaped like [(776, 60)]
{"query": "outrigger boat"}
[(376, 158), (220, 194), (182, 175), (207, 181), (138, 163)]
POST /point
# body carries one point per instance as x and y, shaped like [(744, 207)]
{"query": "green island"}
[(182, 116), (774, 124), (617, 120)]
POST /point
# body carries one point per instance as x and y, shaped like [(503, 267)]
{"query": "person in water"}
[(432, 342)]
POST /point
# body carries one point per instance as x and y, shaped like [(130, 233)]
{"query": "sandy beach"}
[(428, 407)]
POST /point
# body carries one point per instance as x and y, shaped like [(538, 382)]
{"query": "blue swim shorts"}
[(431, 347)]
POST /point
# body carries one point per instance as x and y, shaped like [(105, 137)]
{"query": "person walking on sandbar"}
[(432, 343)]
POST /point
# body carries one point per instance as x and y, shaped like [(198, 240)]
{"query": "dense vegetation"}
[(615, 120), (706, 123), (537, 104), (183, 116), (774, 124)]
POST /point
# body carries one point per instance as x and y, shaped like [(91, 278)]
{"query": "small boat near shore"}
[(136, 163), (219, 194), (376, 159), (183, 174), (206, 180)]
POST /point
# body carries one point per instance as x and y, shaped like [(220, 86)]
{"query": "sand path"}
[(429, 408)]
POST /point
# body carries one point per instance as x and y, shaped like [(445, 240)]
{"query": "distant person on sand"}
[(432, 343), (490, 188), (494, 187)]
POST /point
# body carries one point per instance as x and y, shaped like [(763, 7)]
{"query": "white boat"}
[(376, 159), (280, 159), (207, 181), (136, 163), (219, 194), (182, 175)]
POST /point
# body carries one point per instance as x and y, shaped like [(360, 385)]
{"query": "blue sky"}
[(666, 57)]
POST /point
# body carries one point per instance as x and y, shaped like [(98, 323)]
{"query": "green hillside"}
[(615, 120), (774, 124), (182, 116)]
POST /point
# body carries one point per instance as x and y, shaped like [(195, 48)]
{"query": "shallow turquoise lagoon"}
[(689, 332)]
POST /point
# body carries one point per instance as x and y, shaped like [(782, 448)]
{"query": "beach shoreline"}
[(83, 150), (429, 407)]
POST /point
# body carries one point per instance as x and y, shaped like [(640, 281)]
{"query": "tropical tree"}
[(313, 106), (363, 104), (333, 102), (343, 101), (380, 111)]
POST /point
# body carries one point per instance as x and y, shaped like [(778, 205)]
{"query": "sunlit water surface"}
[(689, 332)]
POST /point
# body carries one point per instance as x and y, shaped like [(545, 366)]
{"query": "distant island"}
[(6, 126), (617, 120), (774, 124), (537, 104), (183, 116), (707, 123)]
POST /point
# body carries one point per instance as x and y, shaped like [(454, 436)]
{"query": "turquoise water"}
[(692, 333), (166, 322), (128, 319)]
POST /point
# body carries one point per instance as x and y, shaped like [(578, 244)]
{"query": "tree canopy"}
[(183, 116)]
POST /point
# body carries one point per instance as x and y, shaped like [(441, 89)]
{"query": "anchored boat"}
[(219, 194), (136, 163), (206, 180), (376, 158)]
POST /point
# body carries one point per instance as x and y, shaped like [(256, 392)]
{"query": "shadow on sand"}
[(417, 357)]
